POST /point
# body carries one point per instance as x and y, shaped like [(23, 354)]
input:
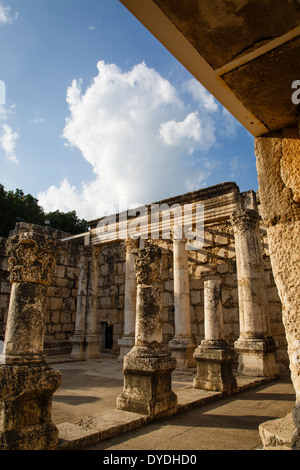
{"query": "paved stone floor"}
[(230, 423)]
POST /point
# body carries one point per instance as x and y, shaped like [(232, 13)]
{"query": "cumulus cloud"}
[(143, 142), (8, 142)]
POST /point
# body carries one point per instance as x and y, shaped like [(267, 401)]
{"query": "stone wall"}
[(61, 301), (216, 256)]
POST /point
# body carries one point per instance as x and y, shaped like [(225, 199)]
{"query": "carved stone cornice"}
[(147, 265), (31, 257), (243, 220)]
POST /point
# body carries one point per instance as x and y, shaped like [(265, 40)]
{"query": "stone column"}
[(214, 357), (85, 342), (127, 342), (148, 366), (27, 382), (278, 163), (182, 345), (92, 339), (255, 346), (78, 339)]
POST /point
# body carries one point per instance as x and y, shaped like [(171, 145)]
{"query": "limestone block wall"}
[(61, 301), (111, 289), (216, 256)]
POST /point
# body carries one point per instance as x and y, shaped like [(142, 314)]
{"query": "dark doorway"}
[(109, 332)]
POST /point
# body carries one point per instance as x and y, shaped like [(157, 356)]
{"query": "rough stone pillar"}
[(85, 342), (78, 339), (182, 345), (214, 357), (92, 339), (278, 163), (27, 382), (255, 346), (148, 366), (127, 342)]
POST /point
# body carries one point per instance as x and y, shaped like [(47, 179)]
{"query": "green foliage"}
[(16, 206), (67, 222)]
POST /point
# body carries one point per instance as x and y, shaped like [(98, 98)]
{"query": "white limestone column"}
[(213, 356), (92, 340), (78, 339), (182, 345), (255, 345), (213, 311), (127, 342), (149, 365)]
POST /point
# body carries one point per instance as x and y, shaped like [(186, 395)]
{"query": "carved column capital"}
[(31, 257), (243, 220), (131, 244), (147, 265)]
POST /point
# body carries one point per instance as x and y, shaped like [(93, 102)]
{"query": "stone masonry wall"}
[(216, 256)]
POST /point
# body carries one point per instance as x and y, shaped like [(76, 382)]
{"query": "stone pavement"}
[(84, 409)]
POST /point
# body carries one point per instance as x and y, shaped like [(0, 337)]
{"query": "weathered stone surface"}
[(213, 357), (27, 383), (31, 257), (254, 316), (214, 367), (148, 366), (281, 214), (26, 406)]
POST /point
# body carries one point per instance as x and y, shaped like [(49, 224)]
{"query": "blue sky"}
[(97, 111)]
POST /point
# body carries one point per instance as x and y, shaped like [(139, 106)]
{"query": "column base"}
[(92, 347), (257, 357), (147, 382), (126, 344), (78, 347), (26, 406), (214, 367), (182, 350)]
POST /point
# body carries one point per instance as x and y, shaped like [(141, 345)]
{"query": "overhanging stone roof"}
[(244, 52)]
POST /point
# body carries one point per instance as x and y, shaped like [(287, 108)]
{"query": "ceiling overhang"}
[(245, 52)]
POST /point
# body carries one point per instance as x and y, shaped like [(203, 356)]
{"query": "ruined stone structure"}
[(244, 54), (75, 314), (167, 301), (27, 382)]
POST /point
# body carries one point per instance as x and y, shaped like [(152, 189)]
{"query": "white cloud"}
[(8, 142), (6, 16), (200, 95), (142, 141), (190, 132)]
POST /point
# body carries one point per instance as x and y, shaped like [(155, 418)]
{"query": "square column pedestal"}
[(26, 407), (147, 383), (214, 367), (257, 357), (214, 357)]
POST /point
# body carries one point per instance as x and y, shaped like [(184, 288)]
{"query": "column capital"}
[(131, 244), (243, 220), (147, 265), (31, 257)]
